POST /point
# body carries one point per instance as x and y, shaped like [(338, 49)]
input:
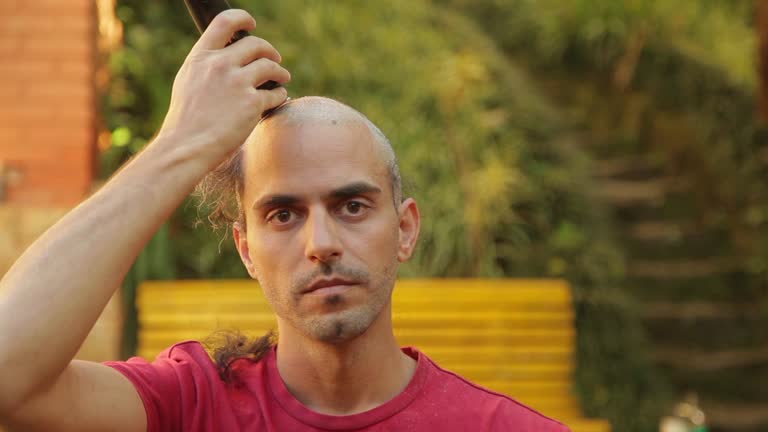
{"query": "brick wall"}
[(48, 57), (47, 100)]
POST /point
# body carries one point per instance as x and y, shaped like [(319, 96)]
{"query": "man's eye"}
[(354, 208), (281, 216)]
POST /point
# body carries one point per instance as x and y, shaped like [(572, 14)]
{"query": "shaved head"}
[(324, 110)]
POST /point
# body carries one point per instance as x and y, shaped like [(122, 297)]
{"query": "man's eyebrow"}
[(275, 201), (346, 191), (354, 189)]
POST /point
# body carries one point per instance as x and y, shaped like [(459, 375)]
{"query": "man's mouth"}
[(329, 286)]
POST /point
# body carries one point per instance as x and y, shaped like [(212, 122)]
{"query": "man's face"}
[(323, 234)]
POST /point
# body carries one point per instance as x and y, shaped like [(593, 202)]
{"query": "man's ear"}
[(241, 243), (410, 224)]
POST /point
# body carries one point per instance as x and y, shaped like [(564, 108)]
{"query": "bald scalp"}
[(329, 111)]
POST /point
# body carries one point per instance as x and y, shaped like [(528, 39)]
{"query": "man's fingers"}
[(262, 70), (274, 97), (251, 48), (223, 27)]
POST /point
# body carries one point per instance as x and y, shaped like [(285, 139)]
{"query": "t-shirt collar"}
[(297, 410)]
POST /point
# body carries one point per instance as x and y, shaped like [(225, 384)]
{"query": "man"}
[(321, 225)]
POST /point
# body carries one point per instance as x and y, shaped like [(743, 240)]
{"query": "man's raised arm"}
[(55, 292)]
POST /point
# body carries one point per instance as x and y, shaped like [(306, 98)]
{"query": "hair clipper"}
[(203, 12)]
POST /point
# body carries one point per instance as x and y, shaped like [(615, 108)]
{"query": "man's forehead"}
[(312, 145), (312, 140), (311, 158), (313, 124)]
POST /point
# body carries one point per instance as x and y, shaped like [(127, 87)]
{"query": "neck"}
[(344, 378)]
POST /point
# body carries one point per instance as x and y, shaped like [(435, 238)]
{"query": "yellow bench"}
[(513, 336)]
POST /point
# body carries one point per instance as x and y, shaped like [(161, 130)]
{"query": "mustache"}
[(302, 282)]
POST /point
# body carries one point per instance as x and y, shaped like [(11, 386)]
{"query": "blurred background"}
[(619, 145)]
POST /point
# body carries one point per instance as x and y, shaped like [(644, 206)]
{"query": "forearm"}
[(55, 292)]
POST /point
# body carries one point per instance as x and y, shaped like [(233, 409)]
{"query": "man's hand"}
[(215, 102)]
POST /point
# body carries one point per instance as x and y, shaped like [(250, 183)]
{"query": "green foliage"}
[(594, 33)]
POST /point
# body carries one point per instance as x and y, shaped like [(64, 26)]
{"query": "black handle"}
[(203, 12)]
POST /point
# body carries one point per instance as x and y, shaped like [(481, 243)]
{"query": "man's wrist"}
[(165, 170), (179, 153)]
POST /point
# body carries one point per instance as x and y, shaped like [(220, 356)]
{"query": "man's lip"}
[(325, 283)]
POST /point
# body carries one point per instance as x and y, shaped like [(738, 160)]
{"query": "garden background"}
[(619, 145)]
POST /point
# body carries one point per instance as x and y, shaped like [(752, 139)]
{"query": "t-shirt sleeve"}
[(173, 386)]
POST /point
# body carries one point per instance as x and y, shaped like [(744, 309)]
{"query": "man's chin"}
[(338, 327)]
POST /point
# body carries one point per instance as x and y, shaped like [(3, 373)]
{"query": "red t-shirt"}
[(182, 391)]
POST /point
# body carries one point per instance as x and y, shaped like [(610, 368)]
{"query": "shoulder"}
[(181, 366), (187, 350), (182, 354), (180, 380), (499, 411)]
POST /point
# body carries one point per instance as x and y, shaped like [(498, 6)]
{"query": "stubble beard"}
[(350, 321)]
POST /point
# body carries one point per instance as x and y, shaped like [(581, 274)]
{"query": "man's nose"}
[(322, 241)]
